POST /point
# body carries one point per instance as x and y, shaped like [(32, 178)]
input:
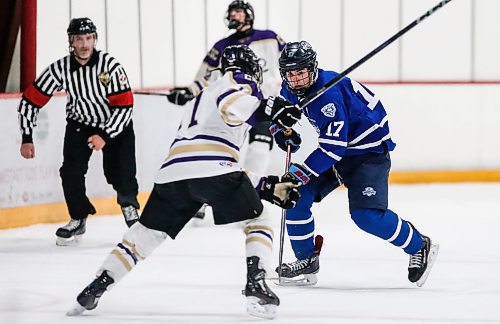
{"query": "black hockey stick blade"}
[(368, 56)]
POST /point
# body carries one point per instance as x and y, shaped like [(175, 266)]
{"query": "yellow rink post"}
[(56, 212)]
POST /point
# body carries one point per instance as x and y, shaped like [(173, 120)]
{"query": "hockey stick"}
[(283, 216), (403, 31), (151, 93)]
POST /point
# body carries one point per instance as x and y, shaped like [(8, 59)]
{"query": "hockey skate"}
[(261, 301), (130, 214), (70, 234), (422, 262), (302, 272), (89, 297)]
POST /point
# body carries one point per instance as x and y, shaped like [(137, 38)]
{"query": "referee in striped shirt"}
[(99, 117)]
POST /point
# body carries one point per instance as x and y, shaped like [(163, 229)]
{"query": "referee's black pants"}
[(118, 164)]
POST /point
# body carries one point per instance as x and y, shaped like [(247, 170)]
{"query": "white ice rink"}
[(198, 277)]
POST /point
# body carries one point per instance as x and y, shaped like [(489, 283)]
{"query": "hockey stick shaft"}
[(151, 93), (283, 215), (368, 56)]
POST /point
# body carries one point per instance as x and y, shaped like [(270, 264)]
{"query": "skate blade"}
[(302, 280), (76, 310), (254, 308), (74, 240), (433, 252)]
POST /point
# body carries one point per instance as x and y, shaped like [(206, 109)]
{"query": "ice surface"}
[(198, 278)]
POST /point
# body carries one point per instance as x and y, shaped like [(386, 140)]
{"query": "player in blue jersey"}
[(354, 142)]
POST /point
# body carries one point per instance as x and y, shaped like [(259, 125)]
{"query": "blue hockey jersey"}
[(349, 120)]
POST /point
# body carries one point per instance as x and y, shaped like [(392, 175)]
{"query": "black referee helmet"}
[(81, 26)]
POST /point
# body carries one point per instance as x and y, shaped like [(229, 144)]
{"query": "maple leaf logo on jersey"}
[(329, 110), (104, 78)]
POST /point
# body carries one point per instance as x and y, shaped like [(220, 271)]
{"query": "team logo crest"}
[(369, 191), (104, 78), (329, 110)]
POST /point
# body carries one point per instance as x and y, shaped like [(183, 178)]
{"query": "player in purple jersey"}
[(354, 142), (268, 46)]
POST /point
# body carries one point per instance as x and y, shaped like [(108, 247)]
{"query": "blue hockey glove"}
[(299, 172), (283, 138)]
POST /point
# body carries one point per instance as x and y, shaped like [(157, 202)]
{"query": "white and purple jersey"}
[(349, 119), (266, 44), (212, 130)]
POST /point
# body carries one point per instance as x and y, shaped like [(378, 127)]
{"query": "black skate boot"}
[(71, 233), (89, 297), (261, 300), (302, 272), (130, 214), (422, 262)]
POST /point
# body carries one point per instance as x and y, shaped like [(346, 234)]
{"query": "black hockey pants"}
[(118, 163)]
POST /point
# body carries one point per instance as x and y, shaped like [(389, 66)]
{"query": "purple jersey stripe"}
[(241, 79), (225, 94), (207, 137), (213, 58)]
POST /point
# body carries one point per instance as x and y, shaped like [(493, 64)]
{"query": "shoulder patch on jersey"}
[(104, 78), (329, 110), (122, 79)]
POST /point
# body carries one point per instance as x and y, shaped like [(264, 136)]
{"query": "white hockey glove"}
[(283, 193)]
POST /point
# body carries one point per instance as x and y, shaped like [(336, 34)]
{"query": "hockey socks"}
[(138, 243), (259, 239), (390, 227)]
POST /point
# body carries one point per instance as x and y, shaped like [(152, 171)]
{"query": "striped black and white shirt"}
[(98, 94)]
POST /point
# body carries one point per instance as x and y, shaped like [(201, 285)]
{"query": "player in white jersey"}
[(267, 45), (202, 167)]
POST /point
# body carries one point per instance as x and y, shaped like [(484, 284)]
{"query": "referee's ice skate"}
[(261, 300), (71, 233), (89, 297)]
